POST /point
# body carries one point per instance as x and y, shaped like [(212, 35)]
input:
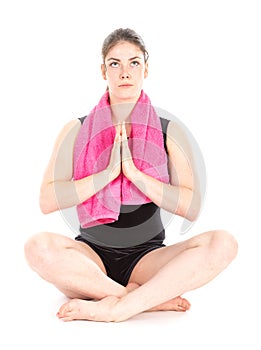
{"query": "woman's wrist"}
[(133, 173), (102, 179), (110, 174)]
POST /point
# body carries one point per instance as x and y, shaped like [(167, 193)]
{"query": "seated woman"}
[(119, 166)]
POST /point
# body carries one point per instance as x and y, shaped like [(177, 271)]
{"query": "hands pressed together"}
[(121, 157)]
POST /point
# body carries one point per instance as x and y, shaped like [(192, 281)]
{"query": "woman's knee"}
[(38, 250), (224, 245)]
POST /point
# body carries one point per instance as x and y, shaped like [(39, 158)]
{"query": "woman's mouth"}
[(125, 85)]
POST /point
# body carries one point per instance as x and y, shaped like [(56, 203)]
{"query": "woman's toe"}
[(66, 310)]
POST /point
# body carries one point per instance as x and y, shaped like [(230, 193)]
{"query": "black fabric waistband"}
[(136, 225)]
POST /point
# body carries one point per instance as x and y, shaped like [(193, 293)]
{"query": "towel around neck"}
[(92, 152)]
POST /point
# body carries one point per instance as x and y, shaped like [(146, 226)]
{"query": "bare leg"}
[(195, 263), (68, 265), (72, 266), (176, 304)]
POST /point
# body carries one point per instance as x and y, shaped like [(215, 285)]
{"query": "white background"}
[(205, 69)]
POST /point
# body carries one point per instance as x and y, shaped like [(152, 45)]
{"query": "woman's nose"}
[(124, 73)]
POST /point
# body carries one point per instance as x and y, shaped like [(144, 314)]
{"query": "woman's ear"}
[(146, 71), (103, 70)]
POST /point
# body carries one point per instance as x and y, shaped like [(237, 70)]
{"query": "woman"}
[(134, 276)]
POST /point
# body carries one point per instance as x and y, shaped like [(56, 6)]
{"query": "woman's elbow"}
[(194, 208), (45, 206), (45, 209), (192, 215), (45, 202)]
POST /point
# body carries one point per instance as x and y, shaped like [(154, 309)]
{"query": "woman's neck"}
[(121, 109), (122, 112)]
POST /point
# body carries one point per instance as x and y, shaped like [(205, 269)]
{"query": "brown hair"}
[(121, 34)]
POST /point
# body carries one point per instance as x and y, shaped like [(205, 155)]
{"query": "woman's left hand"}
[(128, 167)]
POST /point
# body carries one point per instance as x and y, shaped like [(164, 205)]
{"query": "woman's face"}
[(125, 70)]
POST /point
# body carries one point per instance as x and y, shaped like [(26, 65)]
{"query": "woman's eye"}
[(135, 63), (114, 64)]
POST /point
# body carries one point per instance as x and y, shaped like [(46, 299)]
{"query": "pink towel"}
[(92, 154)]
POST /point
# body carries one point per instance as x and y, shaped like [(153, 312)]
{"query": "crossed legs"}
[(78, 272), (72, 266)]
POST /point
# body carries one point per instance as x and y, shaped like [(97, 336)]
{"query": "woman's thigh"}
[(51, 244), (152, 262)]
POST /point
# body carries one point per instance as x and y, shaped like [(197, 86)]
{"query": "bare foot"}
[(176, 304), (102, 310), (78, 309)]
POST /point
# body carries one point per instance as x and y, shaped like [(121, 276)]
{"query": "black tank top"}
[(136, 223)]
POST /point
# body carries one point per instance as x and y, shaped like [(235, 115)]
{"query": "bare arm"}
[(58, 189), (181, 196)]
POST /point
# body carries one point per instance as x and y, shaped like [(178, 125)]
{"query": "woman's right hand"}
[(114, 167)]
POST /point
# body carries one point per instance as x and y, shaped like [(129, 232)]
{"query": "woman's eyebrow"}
[(118, 60), (113, 59), (134, 58)]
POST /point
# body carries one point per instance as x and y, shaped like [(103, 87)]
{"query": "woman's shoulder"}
[(71, 126), (69, 130), (176, 130), (73, 123), (177, 137)]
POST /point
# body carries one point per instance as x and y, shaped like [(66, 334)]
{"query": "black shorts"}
[(120, 262)]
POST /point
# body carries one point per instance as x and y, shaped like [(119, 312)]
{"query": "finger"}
[(118, 133), (118, 128), (126, 153), (124, 133)]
